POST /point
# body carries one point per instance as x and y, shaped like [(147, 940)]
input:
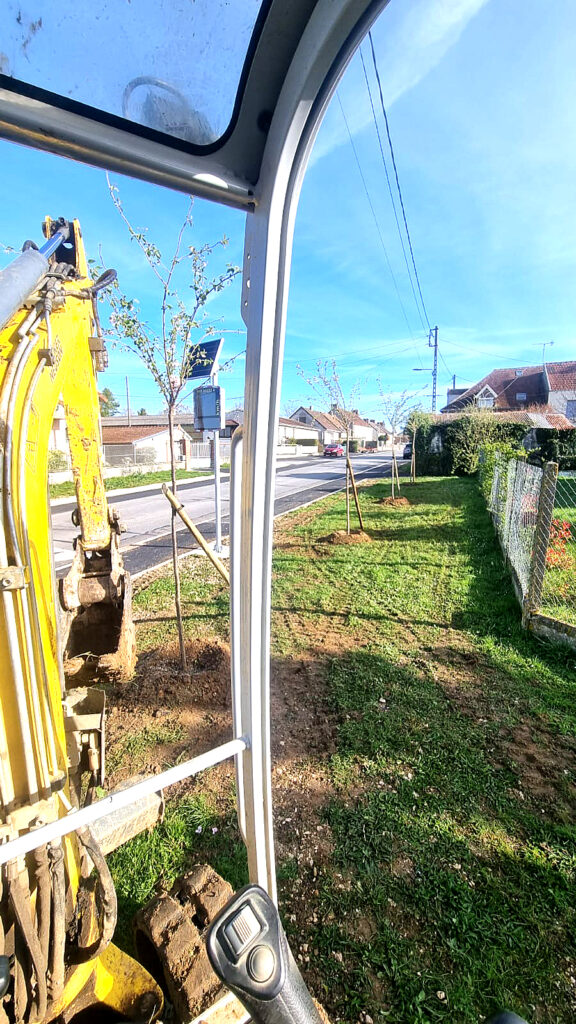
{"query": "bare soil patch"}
[(342, 537), (165, 714), (543, 762), (396, 502)]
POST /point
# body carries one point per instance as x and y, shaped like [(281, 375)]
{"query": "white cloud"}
[(409, 41)]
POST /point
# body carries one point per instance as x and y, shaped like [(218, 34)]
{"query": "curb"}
[(61, 503)]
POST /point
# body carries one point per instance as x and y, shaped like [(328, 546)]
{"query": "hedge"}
[(443, 449)]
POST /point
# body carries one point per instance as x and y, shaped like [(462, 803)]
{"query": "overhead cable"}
[(390, 189), (376, 72), (371, 205)]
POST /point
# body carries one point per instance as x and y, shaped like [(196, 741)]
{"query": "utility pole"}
[(128, 401), (433, 343)]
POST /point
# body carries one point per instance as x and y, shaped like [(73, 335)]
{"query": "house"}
[(549, 388), (290, 432), (184, 418), (330, 427), (142, 444)]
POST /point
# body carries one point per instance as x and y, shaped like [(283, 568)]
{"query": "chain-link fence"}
[(558, 597), (534, 512)]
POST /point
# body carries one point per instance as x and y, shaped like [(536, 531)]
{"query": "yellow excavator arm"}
[(59, 907)]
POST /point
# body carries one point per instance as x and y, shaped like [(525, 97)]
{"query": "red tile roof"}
[(294, 423), (535, 417), (112, 434), (506, 384), (562, 376), (323, 418), (528, 380)]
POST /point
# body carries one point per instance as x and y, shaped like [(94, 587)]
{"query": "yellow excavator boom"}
[(59, 907)]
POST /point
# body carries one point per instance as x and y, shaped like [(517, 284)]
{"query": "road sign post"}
[(209, 415)]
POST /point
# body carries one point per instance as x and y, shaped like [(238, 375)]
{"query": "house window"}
[(486, 402), (520, 396), (301, 419), (571, 409)]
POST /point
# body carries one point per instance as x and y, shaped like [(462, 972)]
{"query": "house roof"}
[(506, 384), (113, 434), (331, 422), (294, 423), (538, 417), (562, 376), (528, 380), (359, 422), (323, 418)]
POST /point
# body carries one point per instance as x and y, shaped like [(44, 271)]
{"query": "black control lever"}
[(249, 952)]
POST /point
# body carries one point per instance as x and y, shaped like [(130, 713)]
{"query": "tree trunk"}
[(177, 598), (393, 464), (347, 483)]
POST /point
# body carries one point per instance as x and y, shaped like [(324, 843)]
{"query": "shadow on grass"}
[(470, 890), (452, 886)]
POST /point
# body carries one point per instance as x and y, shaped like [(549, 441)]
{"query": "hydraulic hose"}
[(22, 916), (43, 899), (108, 901), (58, 943)]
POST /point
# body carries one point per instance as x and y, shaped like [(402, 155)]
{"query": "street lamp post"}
[(427, 369)]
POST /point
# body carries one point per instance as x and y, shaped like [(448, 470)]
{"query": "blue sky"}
[(480, 96)]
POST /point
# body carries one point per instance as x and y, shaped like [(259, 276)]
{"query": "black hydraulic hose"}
[(56, 967), (23, 918), (108, 901)]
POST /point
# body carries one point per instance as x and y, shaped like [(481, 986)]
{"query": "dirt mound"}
[(341, 537), (396, 502), (209, 661), (208, 677)]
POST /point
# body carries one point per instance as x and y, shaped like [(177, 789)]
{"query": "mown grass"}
[(113, 483), (462, 878), (450, 891)]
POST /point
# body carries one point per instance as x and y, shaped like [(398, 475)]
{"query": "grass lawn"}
[(112, 483), (424, 769)]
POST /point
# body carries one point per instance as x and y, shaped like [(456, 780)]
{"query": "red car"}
[(333, 450)]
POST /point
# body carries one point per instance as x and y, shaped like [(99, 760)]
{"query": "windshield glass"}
[(171, 65)]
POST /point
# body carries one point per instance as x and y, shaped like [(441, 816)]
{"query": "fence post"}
[(541, 539), (511, 469)]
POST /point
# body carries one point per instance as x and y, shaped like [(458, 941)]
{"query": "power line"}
[(448, 371), (375, 218), (390, 188), (397, 178), (481, 352)]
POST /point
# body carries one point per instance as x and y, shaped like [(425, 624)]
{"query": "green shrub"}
[(489, 454), (555, 446), (354, 445), (307, 442), (57, 461), (453, 448)]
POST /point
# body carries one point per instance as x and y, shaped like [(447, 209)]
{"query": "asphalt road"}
[(146, 515)]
